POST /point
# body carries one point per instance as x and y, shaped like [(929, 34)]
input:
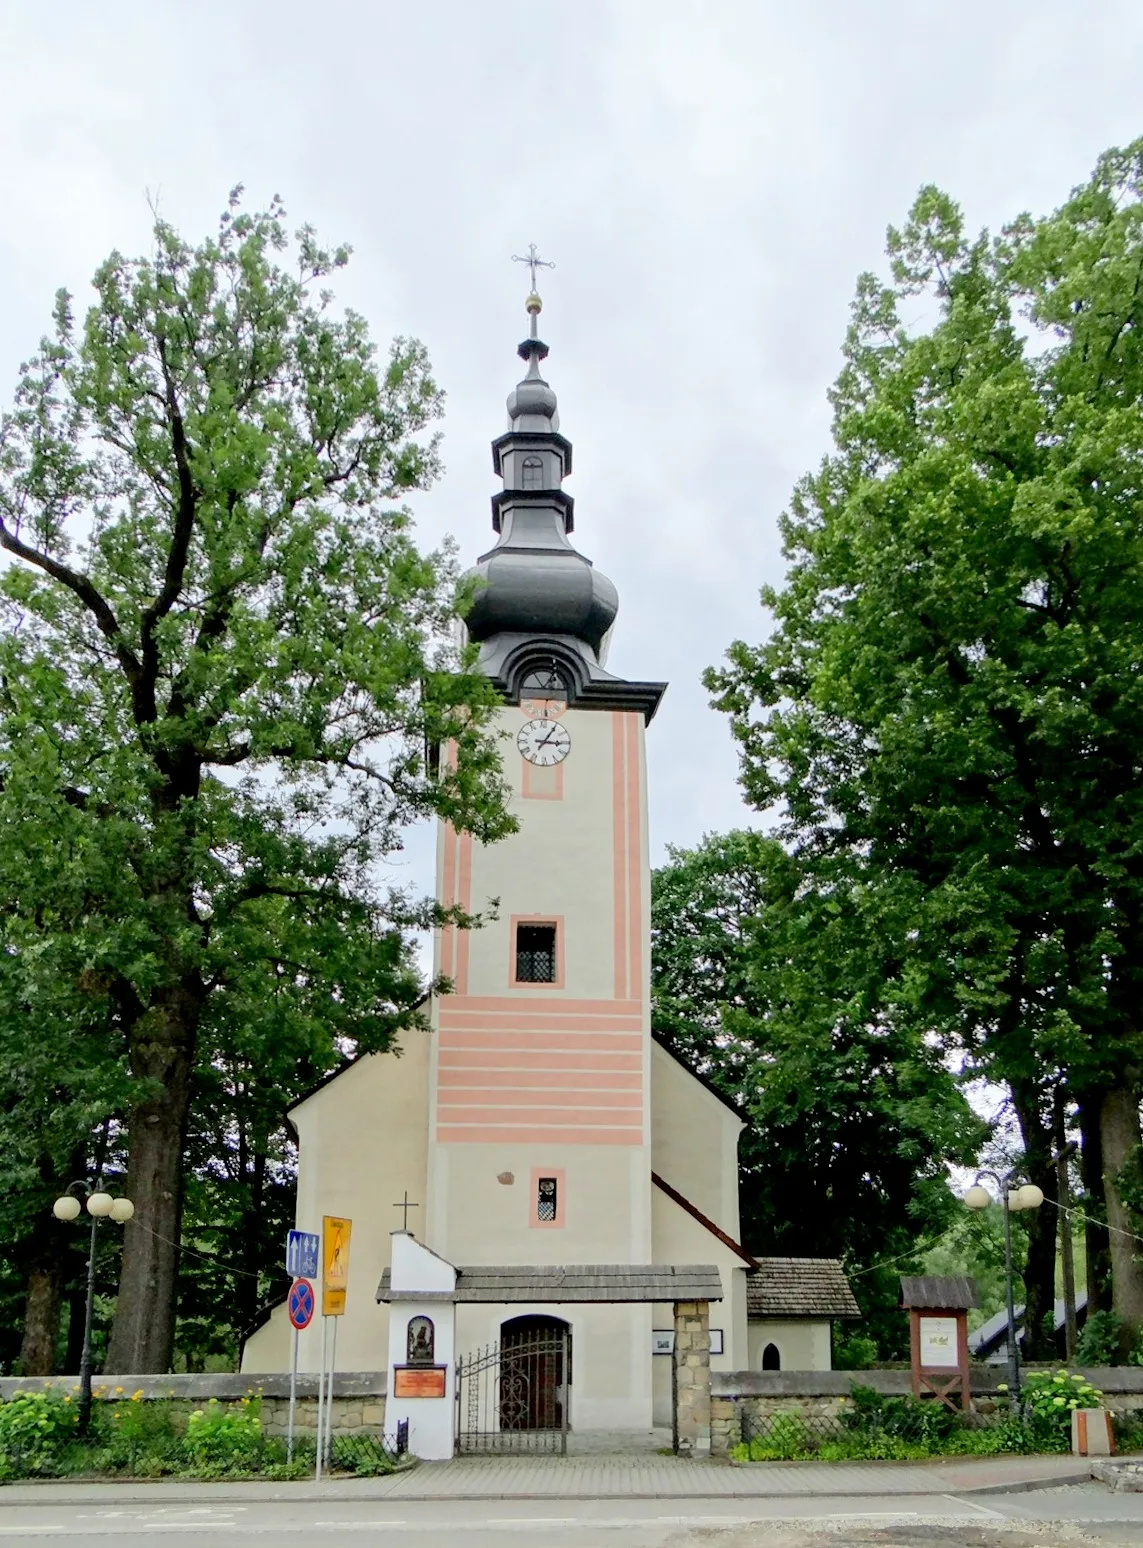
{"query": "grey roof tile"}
[(799, 1287)]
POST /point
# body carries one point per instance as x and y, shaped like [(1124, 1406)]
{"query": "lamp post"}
[(1013, 1195), (100, 1206)]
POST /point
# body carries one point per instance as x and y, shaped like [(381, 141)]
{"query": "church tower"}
[(540, 1142), (538, 1127)]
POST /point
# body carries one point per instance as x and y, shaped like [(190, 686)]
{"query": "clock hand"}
[(555, 727)]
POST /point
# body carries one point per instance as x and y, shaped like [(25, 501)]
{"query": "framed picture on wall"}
[(716, 1340), (663, 1343)]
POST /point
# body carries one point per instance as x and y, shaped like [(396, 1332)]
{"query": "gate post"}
[(692, 1378)]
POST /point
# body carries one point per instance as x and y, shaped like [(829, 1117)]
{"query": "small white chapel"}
[(539, 1132)]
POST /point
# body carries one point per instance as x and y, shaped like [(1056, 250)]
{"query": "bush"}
[(34, 1429), (1050, 1396), (225, 1438), (1100, 1340), (856, 1353)]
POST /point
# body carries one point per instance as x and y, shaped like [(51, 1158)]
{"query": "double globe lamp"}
[(100, 1206), (1014, 1195)]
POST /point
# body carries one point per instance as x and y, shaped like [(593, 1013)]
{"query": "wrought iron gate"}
[(513, 1396)]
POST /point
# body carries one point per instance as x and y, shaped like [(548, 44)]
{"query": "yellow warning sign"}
[(335, 1234)]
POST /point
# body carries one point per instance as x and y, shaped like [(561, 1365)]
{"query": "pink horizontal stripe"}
[(522, 1059), (540, 1079), (559, 1095), (551, 1019), (566, 1117), (451, 1135), (523, 1004), (610, 1042)]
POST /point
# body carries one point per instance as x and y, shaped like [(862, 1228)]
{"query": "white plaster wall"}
[(679, 1238), (610, 1359), (559, 862), (605, 1204), (694, 1141), (803, 1343), (362, 1141)]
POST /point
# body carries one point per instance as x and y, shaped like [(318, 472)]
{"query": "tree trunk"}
[(1039, 1224), (1122, 1179), (41, 1320), (162, 1055), (1096, 1241)]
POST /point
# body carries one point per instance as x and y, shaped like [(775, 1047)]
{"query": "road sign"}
[(302, 1254), (335, 1234), (301, 1303)]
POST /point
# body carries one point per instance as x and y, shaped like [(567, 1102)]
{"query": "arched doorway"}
[(535, 1373)]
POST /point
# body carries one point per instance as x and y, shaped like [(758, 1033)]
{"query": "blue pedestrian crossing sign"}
[(302, 1254), (300, 1303)]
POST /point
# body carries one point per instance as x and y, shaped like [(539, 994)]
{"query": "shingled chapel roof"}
[(799, 1287), (610, 1282)]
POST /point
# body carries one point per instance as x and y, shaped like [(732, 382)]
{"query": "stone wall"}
[(358, 1397), (823, 1394), (692, 1378)]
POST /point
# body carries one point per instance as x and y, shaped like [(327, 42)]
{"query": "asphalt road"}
[(1049, 1518)]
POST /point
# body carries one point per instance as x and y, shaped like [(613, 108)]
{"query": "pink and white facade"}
[(539, 1123)]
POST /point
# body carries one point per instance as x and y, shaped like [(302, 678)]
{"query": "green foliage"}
[(34, 1426), (946, 711), (771, 976), (872, 1427), (1050, 1396), (226, 672), (1099, 1340), (854, 1352), (225, 1438)]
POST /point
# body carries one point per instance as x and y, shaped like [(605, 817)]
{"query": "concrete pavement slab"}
[(647, 1477)]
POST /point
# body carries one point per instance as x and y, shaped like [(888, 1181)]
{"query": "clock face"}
[(544, 742)]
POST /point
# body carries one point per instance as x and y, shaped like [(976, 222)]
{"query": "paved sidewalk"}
[(631, 1476)]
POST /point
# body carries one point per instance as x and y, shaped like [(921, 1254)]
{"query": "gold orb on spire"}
[(533, 304)]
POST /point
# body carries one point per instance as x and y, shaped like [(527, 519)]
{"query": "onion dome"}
[(533, 582)]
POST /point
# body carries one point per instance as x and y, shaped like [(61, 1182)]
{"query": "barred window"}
[(532, 473), (536, 954), (546, 1200)]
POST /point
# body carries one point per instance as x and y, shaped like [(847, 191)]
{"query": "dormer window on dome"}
[(543, 682)]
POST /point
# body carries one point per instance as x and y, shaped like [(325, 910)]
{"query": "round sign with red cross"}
[(301, 1303)]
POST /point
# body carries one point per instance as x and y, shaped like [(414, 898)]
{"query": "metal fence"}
[(513, 1396)]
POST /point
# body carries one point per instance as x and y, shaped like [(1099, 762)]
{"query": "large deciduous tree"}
[(225, 667), (782, 981), (952, 693)]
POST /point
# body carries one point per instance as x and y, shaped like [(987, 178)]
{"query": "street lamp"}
[(1013, 1195), (100, 1206)]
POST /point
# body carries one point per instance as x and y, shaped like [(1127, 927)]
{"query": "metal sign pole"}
[(329, 1399), (293, 1400), (321, 1395)]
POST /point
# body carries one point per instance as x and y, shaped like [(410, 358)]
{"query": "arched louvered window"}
[(532, 473)]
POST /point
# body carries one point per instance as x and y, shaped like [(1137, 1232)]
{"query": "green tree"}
[(777, 980), (225, 662), (951, 692)]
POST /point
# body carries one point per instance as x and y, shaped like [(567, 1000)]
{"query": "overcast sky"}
[(709, 178)]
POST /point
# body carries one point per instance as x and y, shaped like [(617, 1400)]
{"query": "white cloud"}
[(710, 178)]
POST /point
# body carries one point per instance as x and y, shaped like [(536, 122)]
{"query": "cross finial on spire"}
[(534, 262)]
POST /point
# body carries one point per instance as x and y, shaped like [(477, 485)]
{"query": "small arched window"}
[(532, 473), (771, 1358), (420, 1342)]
